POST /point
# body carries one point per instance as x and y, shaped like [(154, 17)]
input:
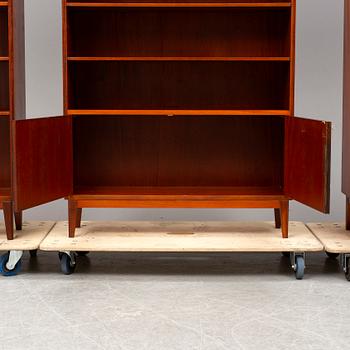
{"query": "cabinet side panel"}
[(346, 110), (5, 169), (17, 60)]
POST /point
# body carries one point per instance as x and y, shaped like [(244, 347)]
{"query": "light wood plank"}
[(29, 238), (181, 237), (333, 235)]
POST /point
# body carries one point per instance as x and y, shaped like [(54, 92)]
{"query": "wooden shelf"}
[(4, 59), (178, 112), (176, 197), (235, 59), (177, 191), (3, 3), (180, 4)]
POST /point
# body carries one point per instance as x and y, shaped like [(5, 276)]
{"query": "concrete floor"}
[(208, 302)]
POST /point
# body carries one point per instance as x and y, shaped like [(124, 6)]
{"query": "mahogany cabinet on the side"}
[(346, 113), (175, 104), (12, 100)]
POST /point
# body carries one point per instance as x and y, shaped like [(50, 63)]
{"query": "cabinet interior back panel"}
[(179, 85), (178, 151), (5, 168), (226, 32), (4, 86), (3, 32)]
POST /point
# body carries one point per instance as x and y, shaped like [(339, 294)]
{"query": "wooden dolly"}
[(336, 240), (181, 237), (28, 239)]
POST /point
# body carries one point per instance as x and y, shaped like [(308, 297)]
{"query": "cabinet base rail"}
[(77, 203)]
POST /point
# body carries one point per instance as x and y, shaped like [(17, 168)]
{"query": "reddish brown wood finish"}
[(284, 210), (254, 3), (181, 151), (7, 207), (277, 218), (73, 213), (12, 98), (123, 59), (18, 220), (175, 105), (307, 162), (155, 32), (43, 160), (346, 113), (5, 158), (17, 59), (347, 214), (76, 202), (179, 85)]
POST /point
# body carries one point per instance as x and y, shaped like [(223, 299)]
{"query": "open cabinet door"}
[(307, 162), (42, 152)]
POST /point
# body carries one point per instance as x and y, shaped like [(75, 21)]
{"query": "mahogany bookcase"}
[(175, 105), (12, 100), (346, 114)]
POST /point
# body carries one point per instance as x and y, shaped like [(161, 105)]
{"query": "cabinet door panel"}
[(42, 160), (307, 162)]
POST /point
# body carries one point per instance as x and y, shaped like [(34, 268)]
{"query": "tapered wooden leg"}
[(284, 218), (78, 219), (8, 216), (18, 220), (72, 217), (277, 218), (347, 213)]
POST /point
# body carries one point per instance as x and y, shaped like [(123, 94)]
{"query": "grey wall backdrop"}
[(318, 95)]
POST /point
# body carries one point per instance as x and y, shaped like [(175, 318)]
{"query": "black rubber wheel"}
[(286, 254), (347, 273), (299, 267), (332, 255), (33, 253), (82, 253), (67, 265)]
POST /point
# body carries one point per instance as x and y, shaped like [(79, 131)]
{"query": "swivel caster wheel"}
[(67, 262), (347, 272), (345, 258), (332, 256), (10, 263), (299, 267), (82, 253)]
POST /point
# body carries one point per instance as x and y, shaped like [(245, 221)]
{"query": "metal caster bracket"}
[(14, 257), (293, 258), (72, 256), (345, 259)]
